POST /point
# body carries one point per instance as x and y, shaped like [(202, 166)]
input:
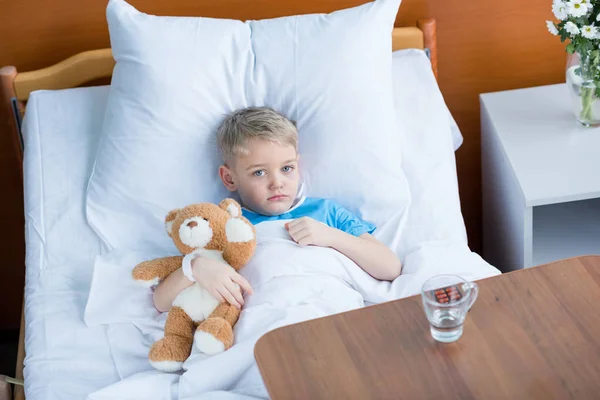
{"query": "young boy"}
[(259, 147)]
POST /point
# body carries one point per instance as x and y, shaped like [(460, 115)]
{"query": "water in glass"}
[(446, 325), (446, 301)]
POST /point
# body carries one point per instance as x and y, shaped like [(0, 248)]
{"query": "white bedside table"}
[(540, 179)]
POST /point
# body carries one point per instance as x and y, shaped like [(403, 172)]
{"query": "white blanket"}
[(291, 284)]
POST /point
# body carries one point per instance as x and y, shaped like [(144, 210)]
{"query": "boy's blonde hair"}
[(246, 124)]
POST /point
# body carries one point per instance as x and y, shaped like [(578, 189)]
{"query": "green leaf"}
[(563, 36), (570, 48)]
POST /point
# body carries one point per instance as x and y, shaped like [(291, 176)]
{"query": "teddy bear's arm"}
[(154, 271), (238, 254), (241, 238)]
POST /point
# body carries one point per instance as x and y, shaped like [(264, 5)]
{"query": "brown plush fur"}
[(228, 312), (177, 342), (176, 345), (220, 323), (220, 329), (159, 268), (235, 254)]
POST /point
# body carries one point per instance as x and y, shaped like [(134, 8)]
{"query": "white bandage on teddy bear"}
[(186, 266)]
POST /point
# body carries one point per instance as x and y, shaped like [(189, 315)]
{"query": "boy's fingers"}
[(235, 291), (300, 234), (300, 230), (304, 240), (293, 223), (217, 296), (244, 284), (229, 298)]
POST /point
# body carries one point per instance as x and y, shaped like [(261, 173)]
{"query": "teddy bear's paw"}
[(149, 283), (238, 231), (167, 366), (207, 343), (213, 336), (142, 274), (169, 353)]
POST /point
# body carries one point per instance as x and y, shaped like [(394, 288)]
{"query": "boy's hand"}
[(306, 231), (220, 280)]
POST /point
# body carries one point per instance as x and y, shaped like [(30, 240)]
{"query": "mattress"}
[(64, 358)]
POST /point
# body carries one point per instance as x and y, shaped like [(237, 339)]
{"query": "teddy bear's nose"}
[(192, 224)]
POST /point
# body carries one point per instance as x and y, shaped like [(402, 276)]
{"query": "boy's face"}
[(266, 178)]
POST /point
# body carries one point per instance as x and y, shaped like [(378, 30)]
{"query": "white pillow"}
[(407, 62), (175, 78), (434, 214), (457, 138)]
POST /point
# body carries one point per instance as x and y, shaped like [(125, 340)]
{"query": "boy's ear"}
[(227, 178)]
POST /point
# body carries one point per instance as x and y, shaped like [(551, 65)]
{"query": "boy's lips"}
[(277, 197)]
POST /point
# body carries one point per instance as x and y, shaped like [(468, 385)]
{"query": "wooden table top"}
[(531, 334)]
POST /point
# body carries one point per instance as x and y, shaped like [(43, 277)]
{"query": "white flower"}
[(551, 28), (578, 8), (589, 32), (559, 8), (598, 17), (589, 5), (572, 28)]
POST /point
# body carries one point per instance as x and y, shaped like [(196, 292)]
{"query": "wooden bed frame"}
[(15, 88)]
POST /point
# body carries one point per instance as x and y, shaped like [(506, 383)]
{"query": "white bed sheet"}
[(64, 358)]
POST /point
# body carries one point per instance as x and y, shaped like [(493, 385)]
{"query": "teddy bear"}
[(215, 231)]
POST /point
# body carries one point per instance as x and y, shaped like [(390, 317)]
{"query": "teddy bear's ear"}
[(169, 220), (232, 207)]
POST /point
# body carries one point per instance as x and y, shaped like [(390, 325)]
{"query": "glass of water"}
[(446, 300)]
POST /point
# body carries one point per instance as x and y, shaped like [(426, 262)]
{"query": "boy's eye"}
[(287, 168), (258, 173)]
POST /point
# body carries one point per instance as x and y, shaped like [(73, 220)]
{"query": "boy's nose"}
[(276, 183)]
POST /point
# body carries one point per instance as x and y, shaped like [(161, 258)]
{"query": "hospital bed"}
[(55, 131)]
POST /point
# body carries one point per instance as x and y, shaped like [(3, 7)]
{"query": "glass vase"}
[(583, 82)]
